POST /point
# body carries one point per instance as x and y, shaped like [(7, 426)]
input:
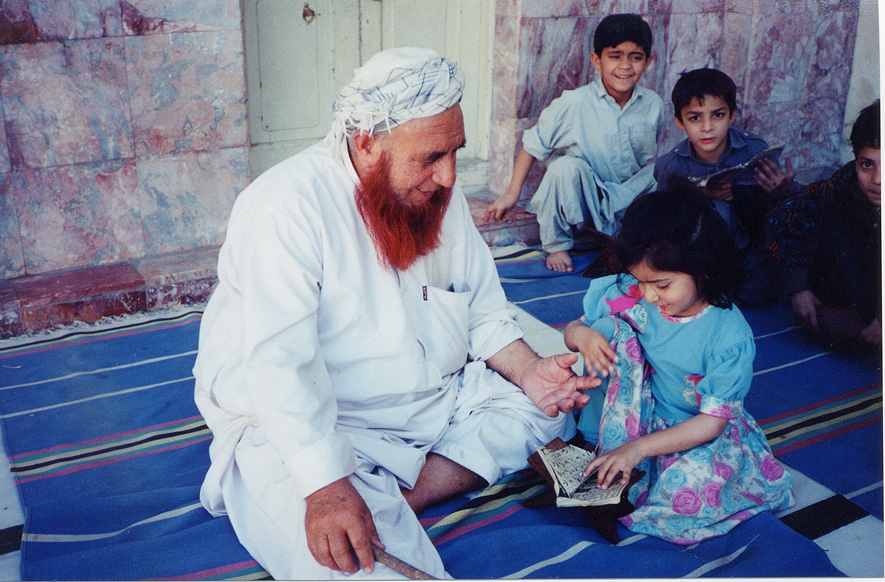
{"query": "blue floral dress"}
[(669, 370)]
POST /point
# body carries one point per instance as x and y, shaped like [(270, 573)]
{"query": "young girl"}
[(679, 361)]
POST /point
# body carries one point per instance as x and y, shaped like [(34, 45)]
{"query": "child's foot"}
[(560, 261)]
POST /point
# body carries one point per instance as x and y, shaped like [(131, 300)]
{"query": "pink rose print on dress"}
[(711, 493), (632, 426), (666, 464), (742, 516), (754, 498), (723, 470), (634, 350), (723, 411), (771, 469), (686, 501)]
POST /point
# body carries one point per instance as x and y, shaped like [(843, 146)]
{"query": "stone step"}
[(51, 300)]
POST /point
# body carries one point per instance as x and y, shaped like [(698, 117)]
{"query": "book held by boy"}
[(742, 174)]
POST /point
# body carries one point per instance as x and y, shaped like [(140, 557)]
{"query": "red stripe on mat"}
[(819, 404), (452, 534), (828, 435)]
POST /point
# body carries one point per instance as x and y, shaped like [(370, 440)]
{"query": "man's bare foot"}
[(560, 261)]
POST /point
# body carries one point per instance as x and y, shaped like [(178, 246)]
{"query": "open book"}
[(742, 174), (566, 466)]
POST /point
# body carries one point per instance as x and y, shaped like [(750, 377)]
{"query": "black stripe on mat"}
[(11, 539), (824, 517)]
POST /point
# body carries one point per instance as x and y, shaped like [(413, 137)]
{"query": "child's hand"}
[(598, 354), (872, 334), (772, 179), (621, 460), (805, 304), (719, 191), (499, 208)]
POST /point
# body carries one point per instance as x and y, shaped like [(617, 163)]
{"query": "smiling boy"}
[(608, 129), (705, 106)]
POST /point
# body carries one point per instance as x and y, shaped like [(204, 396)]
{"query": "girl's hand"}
[(599, 357), (621, 460)]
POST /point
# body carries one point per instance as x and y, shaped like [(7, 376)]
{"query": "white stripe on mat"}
[(57, 538), (100, 370), (720, 562), (97, 397), (566, 555)]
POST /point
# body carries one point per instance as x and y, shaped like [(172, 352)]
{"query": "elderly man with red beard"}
[(358, 361)]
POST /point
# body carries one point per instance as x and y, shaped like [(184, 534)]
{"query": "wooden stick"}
[(398, 565)]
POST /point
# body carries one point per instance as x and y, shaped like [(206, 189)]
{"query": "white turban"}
[(393, 87)]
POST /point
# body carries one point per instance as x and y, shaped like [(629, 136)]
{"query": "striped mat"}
[(108, 453)]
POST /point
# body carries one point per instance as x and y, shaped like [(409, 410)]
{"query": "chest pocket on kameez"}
[(445, 323)]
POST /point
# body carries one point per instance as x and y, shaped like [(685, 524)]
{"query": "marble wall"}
[(791, 60), (124, 129)]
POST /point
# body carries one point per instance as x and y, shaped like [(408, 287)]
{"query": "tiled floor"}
[(856, 548)]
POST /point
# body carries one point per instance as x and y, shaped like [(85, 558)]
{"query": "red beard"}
[(401, 232)]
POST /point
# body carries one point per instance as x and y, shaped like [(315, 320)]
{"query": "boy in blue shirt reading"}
[(704, 104), (608, 129)]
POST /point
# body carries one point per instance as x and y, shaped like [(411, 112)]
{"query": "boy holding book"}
[(705, 105), (609, 130)]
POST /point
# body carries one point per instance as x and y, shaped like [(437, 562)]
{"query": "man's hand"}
[(772, 179), (553, 386), (337, 520), (805, 305)]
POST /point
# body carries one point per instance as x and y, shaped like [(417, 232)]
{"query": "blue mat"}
[(108, 452)]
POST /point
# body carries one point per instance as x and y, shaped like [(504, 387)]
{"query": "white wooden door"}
[(300, 53)]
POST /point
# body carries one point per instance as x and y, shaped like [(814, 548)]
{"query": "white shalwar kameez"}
[(317, 362)]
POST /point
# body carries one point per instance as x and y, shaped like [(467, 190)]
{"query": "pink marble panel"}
[(695, 6), (16, 23), (799, 49), (168, 16), (180, 278), (654, 77), (5, 165), (558, 8), (187, 91), (186, 199), (810, 129), (72, 216), (735, 51), (505, 68), (554, 56), (60, 20), (89, 309), (76, 284), (693, 41), (65, 103), (12, 262)]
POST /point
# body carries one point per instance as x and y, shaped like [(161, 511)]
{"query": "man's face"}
[(869, 174), (706, 125), (421, 153), (620, 67)]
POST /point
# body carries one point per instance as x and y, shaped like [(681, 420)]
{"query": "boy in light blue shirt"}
[(608, 129)]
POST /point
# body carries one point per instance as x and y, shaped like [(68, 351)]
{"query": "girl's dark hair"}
[(677, 229)]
